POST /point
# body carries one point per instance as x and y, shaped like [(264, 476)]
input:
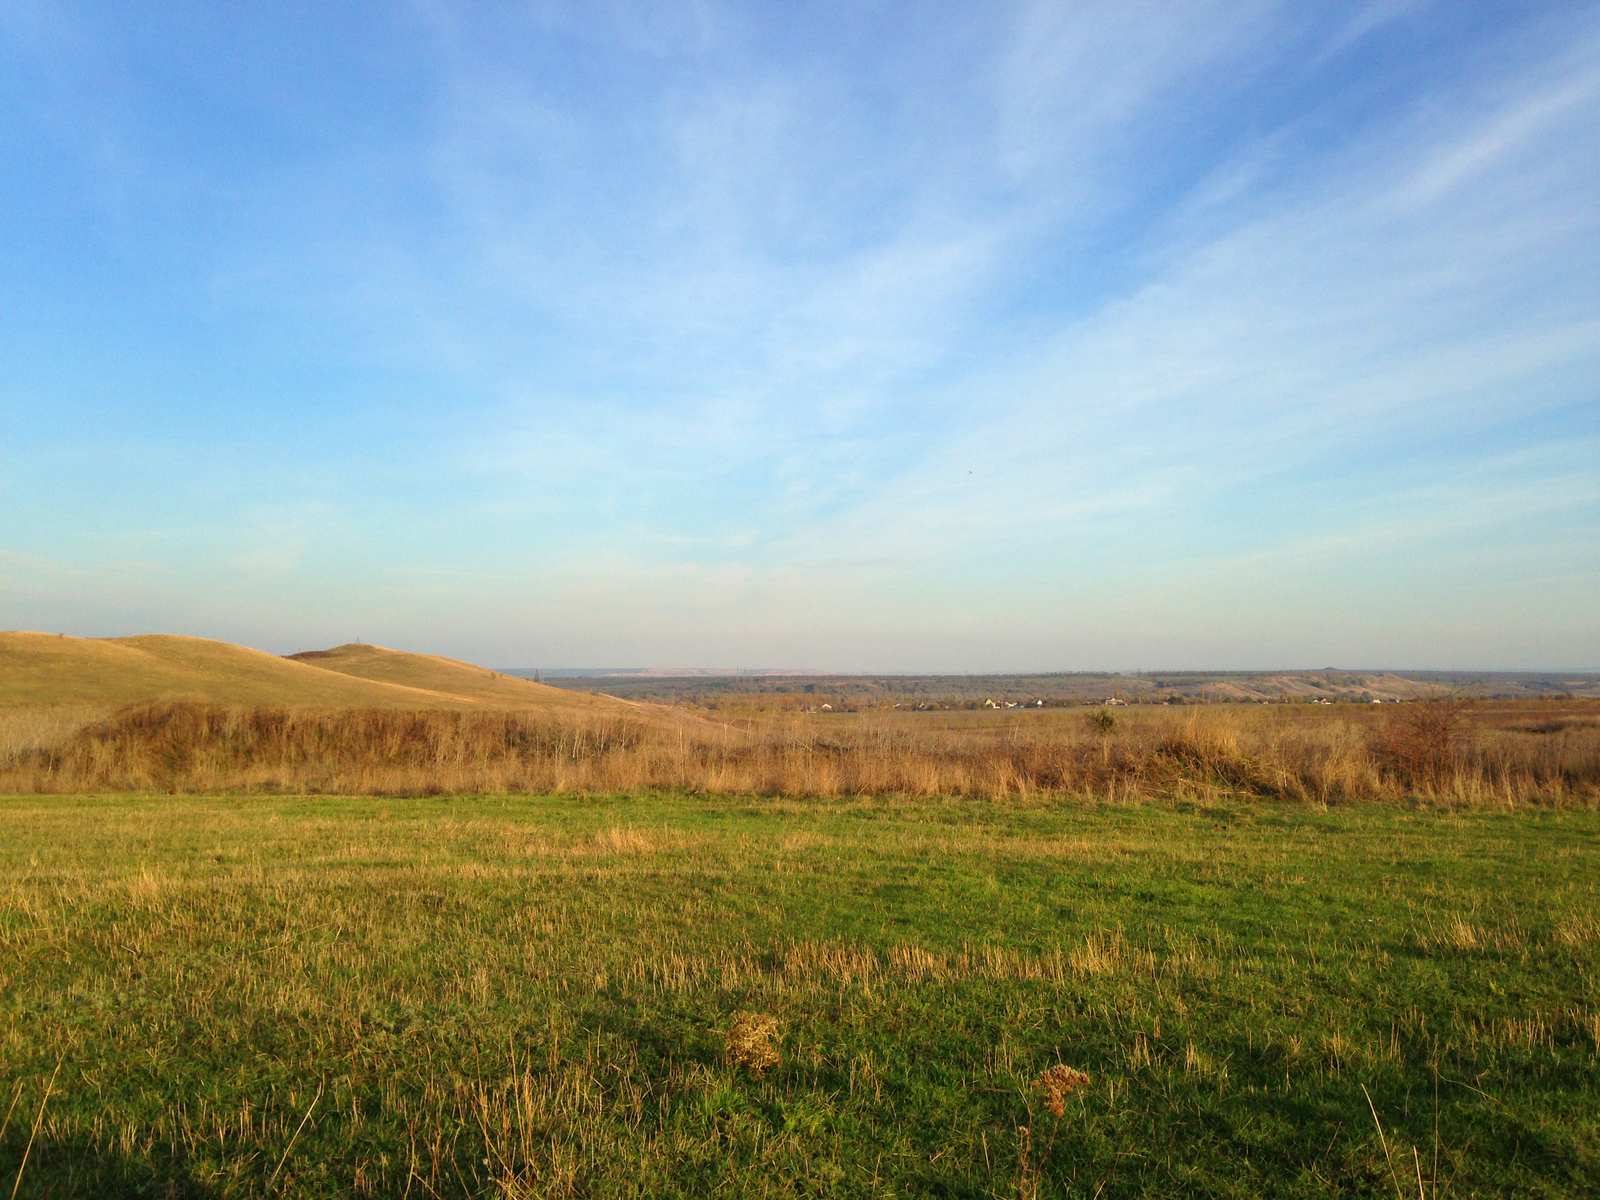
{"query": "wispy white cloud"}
[(1079, 84), (1341, 322)]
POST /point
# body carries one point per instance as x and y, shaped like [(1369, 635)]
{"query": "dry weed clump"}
[(1057, 1083), (752, 1041)]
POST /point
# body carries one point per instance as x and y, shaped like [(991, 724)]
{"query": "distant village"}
[(796, 691)]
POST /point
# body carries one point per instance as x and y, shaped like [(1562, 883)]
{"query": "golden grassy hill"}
[(448, 676), (46, 668)]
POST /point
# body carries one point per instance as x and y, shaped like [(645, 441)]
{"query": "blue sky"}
[(860, 337)]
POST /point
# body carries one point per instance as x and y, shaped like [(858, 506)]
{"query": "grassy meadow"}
[(659, 994)]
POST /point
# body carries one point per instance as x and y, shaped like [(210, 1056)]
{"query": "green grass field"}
[(243, 996)]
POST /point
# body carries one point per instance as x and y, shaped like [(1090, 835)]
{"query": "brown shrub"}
[(1424, 742)]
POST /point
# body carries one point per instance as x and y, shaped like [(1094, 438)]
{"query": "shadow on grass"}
[(60, 1168)]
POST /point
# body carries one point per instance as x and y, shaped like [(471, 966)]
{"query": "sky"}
[(859, 337)]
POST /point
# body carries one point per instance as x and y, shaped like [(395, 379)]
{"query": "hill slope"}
[(45, 668), (445, 676)]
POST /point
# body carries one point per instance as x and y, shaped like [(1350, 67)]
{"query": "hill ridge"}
[(49, 668)]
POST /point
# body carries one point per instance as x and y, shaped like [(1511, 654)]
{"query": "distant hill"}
[(47, 668)]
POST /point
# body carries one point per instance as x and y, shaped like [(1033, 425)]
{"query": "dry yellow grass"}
[(42, 668), (1203, 757), (450, 677), (28, 730), (47, 668)]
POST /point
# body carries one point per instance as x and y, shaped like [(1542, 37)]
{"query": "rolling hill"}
[(441, 676), (47, 668)]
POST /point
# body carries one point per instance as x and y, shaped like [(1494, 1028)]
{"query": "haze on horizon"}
[(880, 338)]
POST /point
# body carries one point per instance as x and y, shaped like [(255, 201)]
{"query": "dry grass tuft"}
[(623, 840), (1099, 954), (1580, 929), (752, 1041), (1057, 1083), (917, 963)]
